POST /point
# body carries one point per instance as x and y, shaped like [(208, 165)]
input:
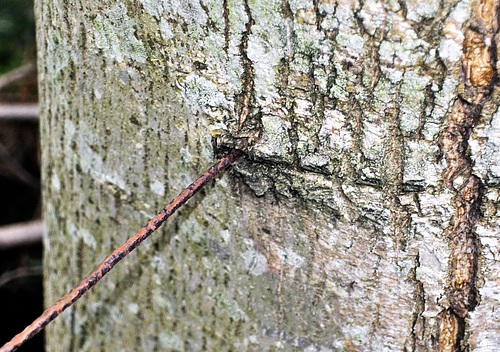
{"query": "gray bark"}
[(336, 233)]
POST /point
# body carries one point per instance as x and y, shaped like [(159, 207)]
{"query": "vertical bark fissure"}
[(227, 27), (395, 167), (319, 16), (479, 78), (248, 71), (416, 339)]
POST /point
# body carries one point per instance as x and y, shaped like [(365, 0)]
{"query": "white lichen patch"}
[(158, 264), (344, 82), (190, 13), (486, 155), (55, 182), (190, 10), (450, 47), (193, 230), (93, 164), (81, 234), (153, 7), (433, 248), (230, 307), (133, 308), (202, 94), (353, 44), (266, 45), (58, 53), (413, 95), (255, 262), (264, 59), (89, 160), (157, 187), (450, 51), (289, 257), (373, 15), (160, 298), (166, 29), (419, 164), (115, 35), (484, 321), (373, 138), (157, 181), (225, 235), (443, 100), (402, 47), (275, 139), (71, 229), (170, 341), (186, 156), (87, 238), (314, 161), (358, 335), (421, 10), (333, 130)]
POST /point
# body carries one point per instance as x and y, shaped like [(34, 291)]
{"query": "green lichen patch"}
[(115, 35)]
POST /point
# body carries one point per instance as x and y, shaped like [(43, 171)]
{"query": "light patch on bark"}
[(115, 35), (202, 94)]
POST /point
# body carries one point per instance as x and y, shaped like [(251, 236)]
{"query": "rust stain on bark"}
[(451, 331), (479, 76)]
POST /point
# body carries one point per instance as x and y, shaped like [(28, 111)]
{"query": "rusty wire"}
[(118, 254)]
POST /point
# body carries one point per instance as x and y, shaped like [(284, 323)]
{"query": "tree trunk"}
[(363, 217)]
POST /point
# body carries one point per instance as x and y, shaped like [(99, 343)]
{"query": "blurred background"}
[(21, 295)]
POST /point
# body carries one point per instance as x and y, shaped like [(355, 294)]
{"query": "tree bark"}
[(363, 217)]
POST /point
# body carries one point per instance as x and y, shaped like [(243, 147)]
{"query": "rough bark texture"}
[(364, 217)]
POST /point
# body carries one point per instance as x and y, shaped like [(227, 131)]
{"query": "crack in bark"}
[(248, 71), (319, 16), (479, 77), (227, 26), (418, 323)]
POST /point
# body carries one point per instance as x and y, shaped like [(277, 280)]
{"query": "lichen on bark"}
[(328, 236)]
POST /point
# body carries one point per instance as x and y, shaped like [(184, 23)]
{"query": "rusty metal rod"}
[(119, 253)]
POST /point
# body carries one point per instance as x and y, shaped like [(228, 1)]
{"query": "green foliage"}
[(17, 33)]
